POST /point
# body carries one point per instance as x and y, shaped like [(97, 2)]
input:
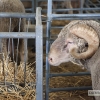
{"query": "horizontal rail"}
[(69, 74), (70, 88), (28, 9), (55, 0), (17, 15), (82, 16), (17, 35), (26, 0), (68, 9), (55, 27)]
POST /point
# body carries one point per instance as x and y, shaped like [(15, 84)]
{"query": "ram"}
[(78, 42), (12, 25)]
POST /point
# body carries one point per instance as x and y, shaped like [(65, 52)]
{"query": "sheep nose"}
[(50, 59)]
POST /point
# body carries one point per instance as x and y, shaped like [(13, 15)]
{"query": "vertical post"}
[(86, 2), (49, 12), (33, 9), (33, 6), (39, 56), (25, 59), (81, 6), (37, 1)]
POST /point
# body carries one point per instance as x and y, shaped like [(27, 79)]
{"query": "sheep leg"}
[(0, 49), (23, 45), (23, 50), (4, 48)]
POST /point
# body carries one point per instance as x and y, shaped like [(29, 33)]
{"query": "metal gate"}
[(89, 11), (29, 7), (10, 82), (32, 6)]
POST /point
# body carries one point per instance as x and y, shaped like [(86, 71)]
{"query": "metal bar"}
[(26, 0), (17, 15), (37, 1), (39, 55), (81, 6), (70, 88), (25, 59), (17, 35), (54, 27), (68, 9), (92, 5), (54, 0), (69, 74), (38, 16), (75, 16), (28, 9), (33, 6), (98, 1), (33, 10), (49, 12)]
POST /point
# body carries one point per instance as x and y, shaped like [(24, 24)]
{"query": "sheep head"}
[(65, 48)]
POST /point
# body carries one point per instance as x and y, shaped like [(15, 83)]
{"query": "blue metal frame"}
[(50, 17), (39, 56), (38, 35), (32, 9)]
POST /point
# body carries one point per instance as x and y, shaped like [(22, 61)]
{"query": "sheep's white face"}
[(59, 52), (68, 44)]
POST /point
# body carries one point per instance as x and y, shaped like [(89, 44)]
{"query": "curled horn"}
[(90, 35)]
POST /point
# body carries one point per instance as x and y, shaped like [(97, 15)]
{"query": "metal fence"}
[(30, 7), (89, 10), (10, 76)]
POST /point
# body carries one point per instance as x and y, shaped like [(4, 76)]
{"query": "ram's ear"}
[(69, 40), (71, 46), (68, 44)]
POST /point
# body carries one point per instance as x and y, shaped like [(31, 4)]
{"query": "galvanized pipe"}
[(69, 74), (76, 16), (17, 15), (39, 55), (17, 34), (70, 88)]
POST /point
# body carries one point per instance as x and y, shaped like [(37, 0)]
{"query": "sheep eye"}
[(65, 46), (70, 42), (86, 44)]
